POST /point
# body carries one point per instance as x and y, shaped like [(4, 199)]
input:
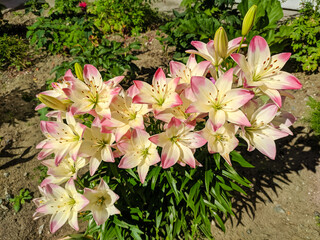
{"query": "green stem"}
[(217, 71), (240, 44)]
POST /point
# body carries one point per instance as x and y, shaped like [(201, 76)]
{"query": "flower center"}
[(174, 139), (220, 138)]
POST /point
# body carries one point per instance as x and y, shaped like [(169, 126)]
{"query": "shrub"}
[(14, 51), (125, 17), (66, 26), (69, 23), (314, 116), (304, 33)]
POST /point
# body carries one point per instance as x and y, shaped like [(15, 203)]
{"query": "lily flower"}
[(263, 71), (97, 145), (62, 139), (185, 72), (68, 168), (179, 112), (207, 50), (125, 115), (283, 120), (221, 140), (161, 94), (178, 142), (101, 202), (92, 95), (63, 203), (138, 152), (262, 134), (57, 90), (219, 100)]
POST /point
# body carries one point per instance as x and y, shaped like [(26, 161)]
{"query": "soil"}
[(282, 204)]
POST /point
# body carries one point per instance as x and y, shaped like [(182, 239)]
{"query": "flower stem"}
[(217, 69), (240, 44)]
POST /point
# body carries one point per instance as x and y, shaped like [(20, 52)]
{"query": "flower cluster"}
[(227, 102)]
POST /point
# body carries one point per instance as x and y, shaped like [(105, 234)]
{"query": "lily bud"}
[(79, 71), (248, 20), (52, 102), (221, 43)]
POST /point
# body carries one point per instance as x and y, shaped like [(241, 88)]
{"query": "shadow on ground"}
[(15, 158), (294, 153), (17, 105)]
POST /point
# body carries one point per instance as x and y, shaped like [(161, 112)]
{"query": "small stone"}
[(8, 196), (249, 231), (4, 207), (25, 174), (40, 229), (279, 209), (6, 174)]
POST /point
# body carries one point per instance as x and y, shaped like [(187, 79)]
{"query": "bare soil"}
[(282, 204)]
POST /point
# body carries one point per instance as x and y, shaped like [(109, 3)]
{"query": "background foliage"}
[(304, 34), (202, 18)]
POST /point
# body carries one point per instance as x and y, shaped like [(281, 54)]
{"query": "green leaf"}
[(235, 156), (172, 183), (208, 176), (17, 205)]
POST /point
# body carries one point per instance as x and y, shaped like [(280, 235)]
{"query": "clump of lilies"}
[(225, 94)]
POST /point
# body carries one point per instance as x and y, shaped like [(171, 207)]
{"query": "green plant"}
[(68, 24), (36, 6), (113, 58), (304, 33), (65, 27), (60, 35), (42, 169), (175, 203), (314, 116), (126, 17), (18, 200), (202, 18), (14, 51)]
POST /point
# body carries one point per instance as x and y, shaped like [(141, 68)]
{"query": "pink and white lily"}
[(262, 134), (68, 168), (101, 202), (57, 90), (97, 145), (207, 50), (161, 94), (92, 95), (219, 100), (138, 152), (178, 143), (185, 72), (62, 139), (221, 140), (179, 112), (63, 203), (125, 115), (263, 71)]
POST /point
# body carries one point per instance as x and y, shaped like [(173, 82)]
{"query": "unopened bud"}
[(248, 20), (79, 71), (221, 42), (52, 102)]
